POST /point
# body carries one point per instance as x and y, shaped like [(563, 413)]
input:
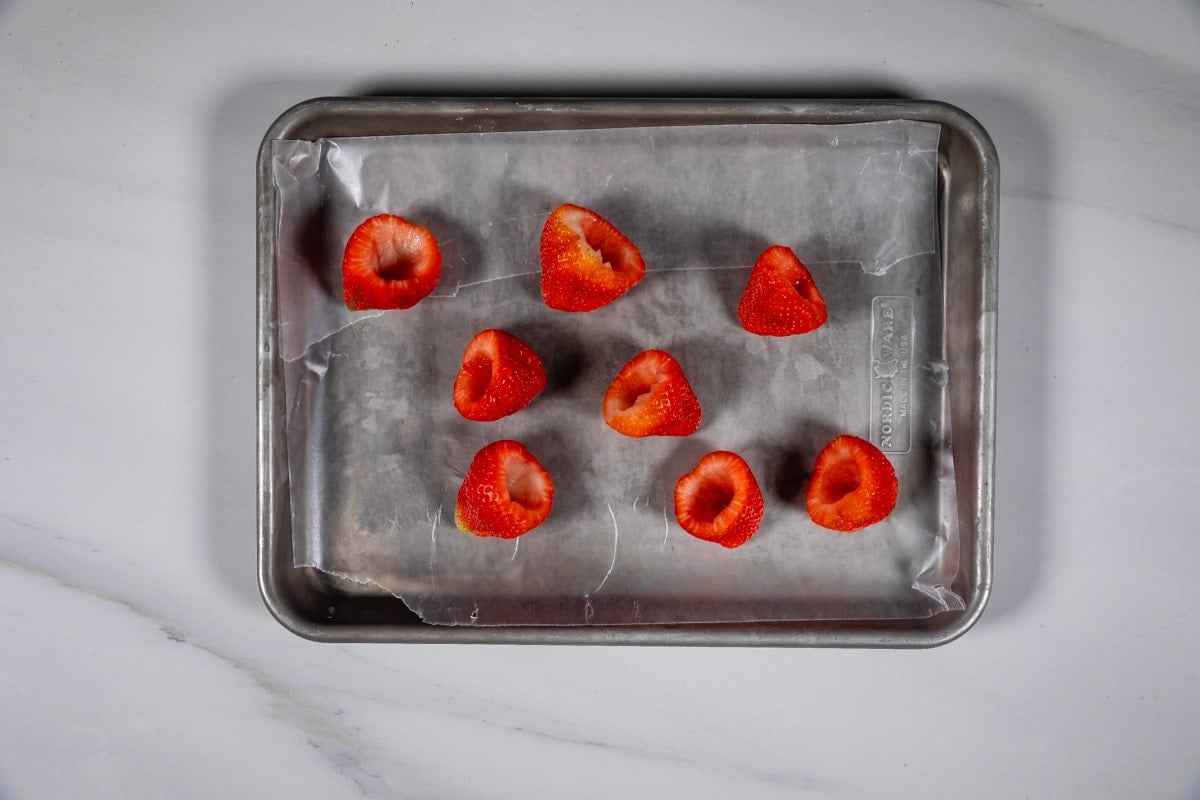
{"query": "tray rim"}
[(797, 111)]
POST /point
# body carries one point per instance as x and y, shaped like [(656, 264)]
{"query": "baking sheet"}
[(376, 450)]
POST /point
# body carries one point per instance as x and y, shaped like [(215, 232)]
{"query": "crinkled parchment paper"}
[(376, 450)]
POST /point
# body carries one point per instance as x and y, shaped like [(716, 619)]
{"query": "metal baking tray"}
[(322, 607)]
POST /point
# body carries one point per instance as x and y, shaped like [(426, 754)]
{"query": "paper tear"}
[(887, 267), (358, 317), (497, 278)]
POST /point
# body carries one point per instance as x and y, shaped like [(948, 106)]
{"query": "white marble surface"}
[(136, 659)]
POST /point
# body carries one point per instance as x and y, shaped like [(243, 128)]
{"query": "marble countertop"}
[(136, 657)]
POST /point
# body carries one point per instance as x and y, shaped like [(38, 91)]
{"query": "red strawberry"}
[(781, 298), (500, 375), (853, 485), (719, 501), (652, 397), (506, 492), (389, 263), (586, 262)]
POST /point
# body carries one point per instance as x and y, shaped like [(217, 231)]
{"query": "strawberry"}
[(506, 492), (853, 485), (719, 501), (652, 397), (781, 298), (586, 262), (389, 263), (500, 375)]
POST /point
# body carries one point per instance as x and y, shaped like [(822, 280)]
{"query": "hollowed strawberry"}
[(719, 501), (853, 485), (389, 263), (505, 493), (652, 397), (500, 375), (781, 298), (586, 261)]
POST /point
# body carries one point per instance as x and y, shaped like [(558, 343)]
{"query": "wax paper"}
[(376, 450)]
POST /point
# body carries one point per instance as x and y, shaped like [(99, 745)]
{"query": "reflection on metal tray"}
[(321, 606)]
